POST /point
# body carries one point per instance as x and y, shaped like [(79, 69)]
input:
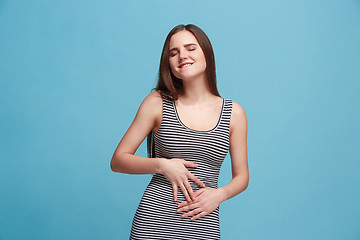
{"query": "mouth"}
[(185, 65)]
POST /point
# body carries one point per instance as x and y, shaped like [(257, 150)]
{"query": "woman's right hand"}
[(175, 171)]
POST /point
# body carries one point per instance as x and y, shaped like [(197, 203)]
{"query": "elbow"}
[(112, 167), (114, 164), (243, 181), (246, 186), (119, 162), (246, 182)]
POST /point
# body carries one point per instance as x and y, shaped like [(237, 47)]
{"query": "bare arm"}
[(124, 160), (238, 153)]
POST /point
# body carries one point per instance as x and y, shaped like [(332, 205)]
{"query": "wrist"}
[(222, 194), (159, 168)]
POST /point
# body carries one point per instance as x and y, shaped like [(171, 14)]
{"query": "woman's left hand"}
[(206, 201)]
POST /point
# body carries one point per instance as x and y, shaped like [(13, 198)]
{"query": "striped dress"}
[(156, 216)]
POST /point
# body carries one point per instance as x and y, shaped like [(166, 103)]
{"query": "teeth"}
[(186, 65)]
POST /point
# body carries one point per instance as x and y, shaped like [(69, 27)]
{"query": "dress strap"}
[(227, 113)]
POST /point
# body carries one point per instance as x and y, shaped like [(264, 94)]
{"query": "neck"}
[(196, 90)]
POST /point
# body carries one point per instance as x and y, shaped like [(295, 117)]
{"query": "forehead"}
[(181, 38)]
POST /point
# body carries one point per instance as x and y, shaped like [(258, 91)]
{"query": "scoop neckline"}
[(212, 129)]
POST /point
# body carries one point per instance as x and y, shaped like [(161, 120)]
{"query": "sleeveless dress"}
[(156, 216)]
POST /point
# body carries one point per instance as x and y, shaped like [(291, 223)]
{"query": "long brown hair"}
[(170, 86)]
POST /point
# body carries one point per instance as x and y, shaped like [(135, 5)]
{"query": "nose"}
[(183, 54)]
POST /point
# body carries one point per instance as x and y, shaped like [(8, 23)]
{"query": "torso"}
[(203, 140), (201, 118)]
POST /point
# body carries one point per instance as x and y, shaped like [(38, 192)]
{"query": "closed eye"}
[(173, 54)]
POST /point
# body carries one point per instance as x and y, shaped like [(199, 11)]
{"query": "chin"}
[(188, 75)]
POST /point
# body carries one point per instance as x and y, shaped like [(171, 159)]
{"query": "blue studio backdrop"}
[(73, 74)]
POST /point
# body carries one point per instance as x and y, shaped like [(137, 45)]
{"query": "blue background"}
[(73, 74)]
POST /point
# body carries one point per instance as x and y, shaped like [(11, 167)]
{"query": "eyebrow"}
[(186, 45)]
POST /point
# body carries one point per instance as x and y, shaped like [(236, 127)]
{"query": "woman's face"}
[(186, 58)]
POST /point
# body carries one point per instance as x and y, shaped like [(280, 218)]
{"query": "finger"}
[(183, 189), (186, 203), (190, 164), (193, 212), (195, 179), (199, 192), (196, 194), (189, 189), (182, 203), (175, 188), (198, 216), (189, 207)]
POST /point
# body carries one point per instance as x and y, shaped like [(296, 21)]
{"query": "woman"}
[(190, 130)]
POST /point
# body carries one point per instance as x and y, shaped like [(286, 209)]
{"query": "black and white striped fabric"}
[(156, 216)]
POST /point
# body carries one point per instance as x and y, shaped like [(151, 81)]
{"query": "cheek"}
[(203, 61), (172, 64), (201, 58), (173, 68)]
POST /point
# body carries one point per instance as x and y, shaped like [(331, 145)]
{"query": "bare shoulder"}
[(238, 118), (152, 102), (238, 111), (153, 97), (150, 110)]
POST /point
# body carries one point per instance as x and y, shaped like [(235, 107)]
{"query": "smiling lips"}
[(185, 65)]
